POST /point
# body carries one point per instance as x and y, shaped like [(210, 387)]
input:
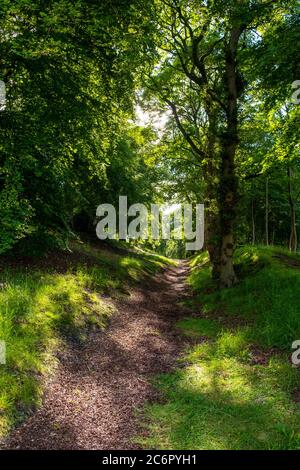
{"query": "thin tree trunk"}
[(253, 222), (293, 241), (267, 212)]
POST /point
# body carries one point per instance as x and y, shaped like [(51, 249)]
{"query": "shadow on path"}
[(91, 400)]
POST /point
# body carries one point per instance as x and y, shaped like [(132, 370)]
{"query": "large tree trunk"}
[(212, 222), (227, 208), (293, 241), (227, 197), (212, 235)]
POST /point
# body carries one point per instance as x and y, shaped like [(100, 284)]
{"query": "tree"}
[(69, 70), (200, 67)]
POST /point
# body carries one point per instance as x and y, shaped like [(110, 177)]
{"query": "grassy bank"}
[(54, 299), (236, 387)]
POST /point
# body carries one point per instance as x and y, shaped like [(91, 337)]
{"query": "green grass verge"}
[(222, 397), (267, 295), (47, 301)]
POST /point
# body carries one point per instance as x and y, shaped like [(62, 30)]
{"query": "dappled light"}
[(149, 228)]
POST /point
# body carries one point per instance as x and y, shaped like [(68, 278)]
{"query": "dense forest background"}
[(83, 80)]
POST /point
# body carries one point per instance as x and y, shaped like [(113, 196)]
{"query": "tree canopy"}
[(223, 76)]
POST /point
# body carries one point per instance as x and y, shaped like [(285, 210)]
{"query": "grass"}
[(222, 397), (48, 301), (268, 295)]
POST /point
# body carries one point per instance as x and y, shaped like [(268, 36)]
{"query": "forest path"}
[(288, 261), (91, 401)]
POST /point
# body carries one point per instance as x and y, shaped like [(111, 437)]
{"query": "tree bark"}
[(228, 191), (212, 228)]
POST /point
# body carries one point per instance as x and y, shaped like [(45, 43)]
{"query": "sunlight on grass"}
[(220, 401), (268, 294), (198, 327), (36, 311), (40, 310), (220, 398)]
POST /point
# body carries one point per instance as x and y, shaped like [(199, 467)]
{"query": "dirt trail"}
[(91, 401), (287, 261)]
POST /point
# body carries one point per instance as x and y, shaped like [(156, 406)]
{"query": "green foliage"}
[(15, 215), (194, 92), (73, 72), (68, 70)]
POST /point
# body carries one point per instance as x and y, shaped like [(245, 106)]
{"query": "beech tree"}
[(199, 75)]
